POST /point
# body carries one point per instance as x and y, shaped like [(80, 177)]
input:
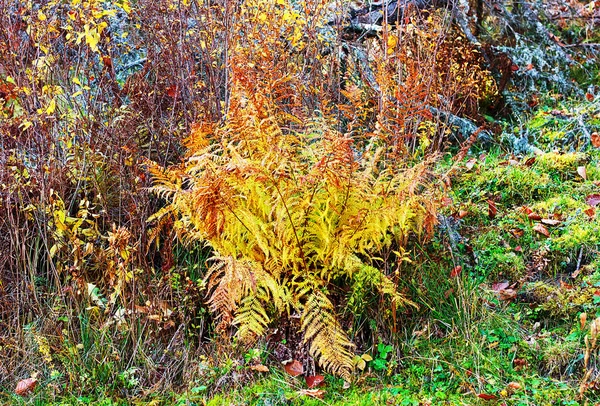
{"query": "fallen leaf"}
[(259, 368), (517, 232), (294, 368), (446, 201), (456, 271), (498, 286), (313, 381), (313, 393), (526, 210), (595, 140), (530, 161), (534, 216), (25, 386), (486, 396), (541, 229), (462, 214), (582, 172), (518, 248), (520, 362), (551, 222), (507, 294), (471, 163), (589, 96), (582, 320), (591, 212), (593, 200), (565, 285), (492, 209), (514, 385)]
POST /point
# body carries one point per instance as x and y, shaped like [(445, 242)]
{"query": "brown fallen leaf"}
[(456, 271), (593, 200), (492, 209), (530, 161), (520, 362), (313, 393), (541, 229), (513, 386), (294, 368), (591, 212), (582, 320), (595, 140), (551, 222), (312, 381), (582, 172), (470, 163), (534, 216), (26, 386), (507, 294), (259, 368)]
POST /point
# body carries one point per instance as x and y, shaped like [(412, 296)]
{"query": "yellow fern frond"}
[(328, 343)]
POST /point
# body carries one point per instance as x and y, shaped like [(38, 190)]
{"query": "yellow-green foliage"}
[(287, 214)]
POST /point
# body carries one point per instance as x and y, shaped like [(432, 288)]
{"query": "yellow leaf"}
[(41, 15), (52, 107)]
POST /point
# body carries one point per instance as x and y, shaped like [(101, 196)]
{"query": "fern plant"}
[(288, 215)]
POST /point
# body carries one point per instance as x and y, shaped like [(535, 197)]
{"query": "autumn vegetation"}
[(287, 202)]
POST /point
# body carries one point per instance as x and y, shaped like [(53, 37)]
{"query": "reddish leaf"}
[(492, 209), (582, 172), (294, 368), (313, 381), (593, 200), (534, 216), (595, 140), (526, 210), (462, 214), (589, 96), (541, 229), (446, 201), (591, 212), (518, 248), (485, 396), (456, 271), (25, 386), (565, 285), (520, 362), (530, 161), (498, 286), (551, 222)]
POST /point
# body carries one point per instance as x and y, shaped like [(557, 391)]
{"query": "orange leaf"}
[(294, 368), (313, 381), (456, 271), (259, 368), (595, 140), (25, 386), (485, 396)]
